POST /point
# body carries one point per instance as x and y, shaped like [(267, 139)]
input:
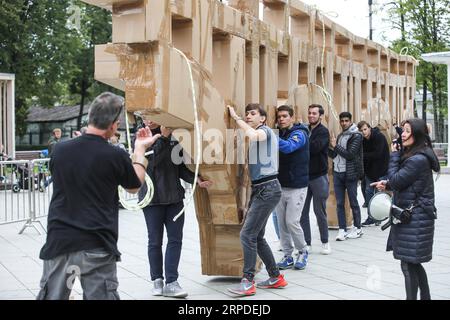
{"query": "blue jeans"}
[(341, 184), (264, 198), (370, 191), (156, 218)]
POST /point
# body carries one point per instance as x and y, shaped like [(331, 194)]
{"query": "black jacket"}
[(412, 182), (318, 149), (353, 154), (375, 155), (165, 174)]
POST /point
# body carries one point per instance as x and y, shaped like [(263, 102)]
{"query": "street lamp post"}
[(370, 20)]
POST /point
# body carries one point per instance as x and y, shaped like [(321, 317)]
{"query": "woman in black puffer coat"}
[(410, 176)]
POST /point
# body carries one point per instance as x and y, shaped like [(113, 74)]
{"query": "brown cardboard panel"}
[(293, 64), (157, 20), (252, 73), (128, 20), (229, 69), (107, 68), (224, 209), (276, 14), (203, 13), (229, 256), (234, 22), (141, 21), (144, 68), (218, 174), (248, 6), (284, 83), (268, 81), (182, 8)]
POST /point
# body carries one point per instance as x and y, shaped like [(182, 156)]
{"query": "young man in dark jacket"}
[(346, 152), (293, 176), (167, 202), (376, 161), (318, 187)]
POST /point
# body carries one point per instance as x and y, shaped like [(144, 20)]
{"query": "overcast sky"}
[(354, 15)]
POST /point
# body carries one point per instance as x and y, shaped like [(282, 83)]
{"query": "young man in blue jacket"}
[(294, 177)]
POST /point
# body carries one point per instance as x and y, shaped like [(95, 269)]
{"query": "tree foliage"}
[(49, 46), (425, 27)]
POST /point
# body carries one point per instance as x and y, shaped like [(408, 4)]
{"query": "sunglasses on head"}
[(118, 114)]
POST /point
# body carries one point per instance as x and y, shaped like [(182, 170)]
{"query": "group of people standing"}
[(83, 216), (359, 152)]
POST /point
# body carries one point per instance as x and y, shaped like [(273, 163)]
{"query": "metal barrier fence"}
[(24, 194)]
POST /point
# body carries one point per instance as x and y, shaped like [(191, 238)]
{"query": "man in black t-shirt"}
[(83, 213)]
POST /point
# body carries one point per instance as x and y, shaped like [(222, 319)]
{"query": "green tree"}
[(37, 46), (424, 26), (49, 46), (95, 27)]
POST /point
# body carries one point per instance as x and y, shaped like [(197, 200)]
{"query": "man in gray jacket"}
[(346, 152)]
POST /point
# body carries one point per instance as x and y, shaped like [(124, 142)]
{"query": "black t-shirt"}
[(84, 210)]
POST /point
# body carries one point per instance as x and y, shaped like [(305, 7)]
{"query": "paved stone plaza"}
[(356, 269)]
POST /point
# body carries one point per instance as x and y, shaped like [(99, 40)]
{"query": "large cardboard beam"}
[(294, 55)]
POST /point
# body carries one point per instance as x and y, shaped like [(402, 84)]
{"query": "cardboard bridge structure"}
[(238, 58)]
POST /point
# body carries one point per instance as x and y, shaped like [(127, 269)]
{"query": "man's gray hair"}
[(105, 110)]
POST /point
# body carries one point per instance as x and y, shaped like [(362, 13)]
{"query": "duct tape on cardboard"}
[(137, 69)]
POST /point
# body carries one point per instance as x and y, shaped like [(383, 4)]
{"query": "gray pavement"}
[(357, 269)]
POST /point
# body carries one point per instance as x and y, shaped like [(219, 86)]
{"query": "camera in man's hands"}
[(138, 123), (139, 120)]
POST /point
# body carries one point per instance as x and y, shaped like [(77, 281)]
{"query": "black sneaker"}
[(368, 223)]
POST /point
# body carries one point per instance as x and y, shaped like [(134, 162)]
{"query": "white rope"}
[(198, 135), (124, 196)]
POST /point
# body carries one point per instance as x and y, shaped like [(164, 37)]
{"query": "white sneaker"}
[(326, 249), (158, 285), (174, 290), (342, 235), (355, 233)]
